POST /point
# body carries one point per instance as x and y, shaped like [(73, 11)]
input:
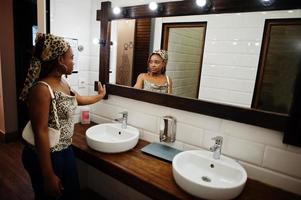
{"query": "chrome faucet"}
[(217, 147), (123, 120)]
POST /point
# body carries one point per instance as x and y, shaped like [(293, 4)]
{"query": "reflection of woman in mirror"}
[(155, 79)]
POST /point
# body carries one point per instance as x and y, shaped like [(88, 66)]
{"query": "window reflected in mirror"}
[(279, 67)]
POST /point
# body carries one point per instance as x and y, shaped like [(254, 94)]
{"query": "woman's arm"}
[(39, 103), (139, 82), (85, 100)]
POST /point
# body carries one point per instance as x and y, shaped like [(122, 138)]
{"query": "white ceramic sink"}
[(111, 138), (199, 174)]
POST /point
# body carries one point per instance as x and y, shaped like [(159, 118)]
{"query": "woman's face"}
[(156, 64), (68, 61)]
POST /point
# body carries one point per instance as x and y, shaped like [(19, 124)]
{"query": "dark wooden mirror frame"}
[(255, 117)]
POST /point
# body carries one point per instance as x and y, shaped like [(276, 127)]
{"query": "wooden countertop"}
[(152, 176)]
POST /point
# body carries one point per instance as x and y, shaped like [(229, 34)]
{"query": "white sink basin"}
[(199, 174), (111, 138)]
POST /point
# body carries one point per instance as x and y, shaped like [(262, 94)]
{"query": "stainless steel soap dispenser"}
[(168, 129)]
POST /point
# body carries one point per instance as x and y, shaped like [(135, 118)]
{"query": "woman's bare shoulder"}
[(142, 76), (40, 91)]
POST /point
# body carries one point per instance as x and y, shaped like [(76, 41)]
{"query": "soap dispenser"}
[(168, 129)]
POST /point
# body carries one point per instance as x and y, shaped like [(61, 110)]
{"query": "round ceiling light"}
[(153, 5), (201, 3), (116, 10)]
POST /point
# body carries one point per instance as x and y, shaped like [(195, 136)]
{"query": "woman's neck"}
[(53, 77), (155, 74)]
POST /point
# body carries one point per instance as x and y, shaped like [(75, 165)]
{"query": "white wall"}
[(73, 19), (259, 150)]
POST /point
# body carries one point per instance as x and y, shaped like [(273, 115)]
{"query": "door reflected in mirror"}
[(185, 45), (279, 66), (226, 56)]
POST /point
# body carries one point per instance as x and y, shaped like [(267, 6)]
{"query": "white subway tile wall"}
[(282, 161), (244, 150), (189, 134), (273, 178), (259, 150), (267, 158)]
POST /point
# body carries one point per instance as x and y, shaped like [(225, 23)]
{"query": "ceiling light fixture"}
[(201, 3), (153, 5), (205, 5), (116, 10)]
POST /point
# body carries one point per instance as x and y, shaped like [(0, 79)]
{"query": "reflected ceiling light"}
[(116, 10), (267, 2), (153, 5), (96, 41), (205, 5), (201, 3)]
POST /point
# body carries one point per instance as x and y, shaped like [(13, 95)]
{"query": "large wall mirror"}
[(223, 61)]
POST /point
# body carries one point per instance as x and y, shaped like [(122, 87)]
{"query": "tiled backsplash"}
[(260, 150)]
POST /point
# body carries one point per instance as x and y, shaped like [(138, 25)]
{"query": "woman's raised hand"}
[(101, 89)]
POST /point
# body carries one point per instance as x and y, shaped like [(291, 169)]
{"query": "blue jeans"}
[(64, 166)]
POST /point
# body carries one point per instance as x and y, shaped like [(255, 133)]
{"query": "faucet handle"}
[(218, 140)]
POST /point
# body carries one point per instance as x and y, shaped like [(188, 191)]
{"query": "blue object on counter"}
[(161, 151)]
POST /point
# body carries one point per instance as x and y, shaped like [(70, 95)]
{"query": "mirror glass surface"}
[(228, 57)]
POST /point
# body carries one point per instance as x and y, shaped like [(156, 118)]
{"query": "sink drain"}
[(206, 179)]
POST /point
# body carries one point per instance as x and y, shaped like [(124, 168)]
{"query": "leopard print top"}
[(66, 105)]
